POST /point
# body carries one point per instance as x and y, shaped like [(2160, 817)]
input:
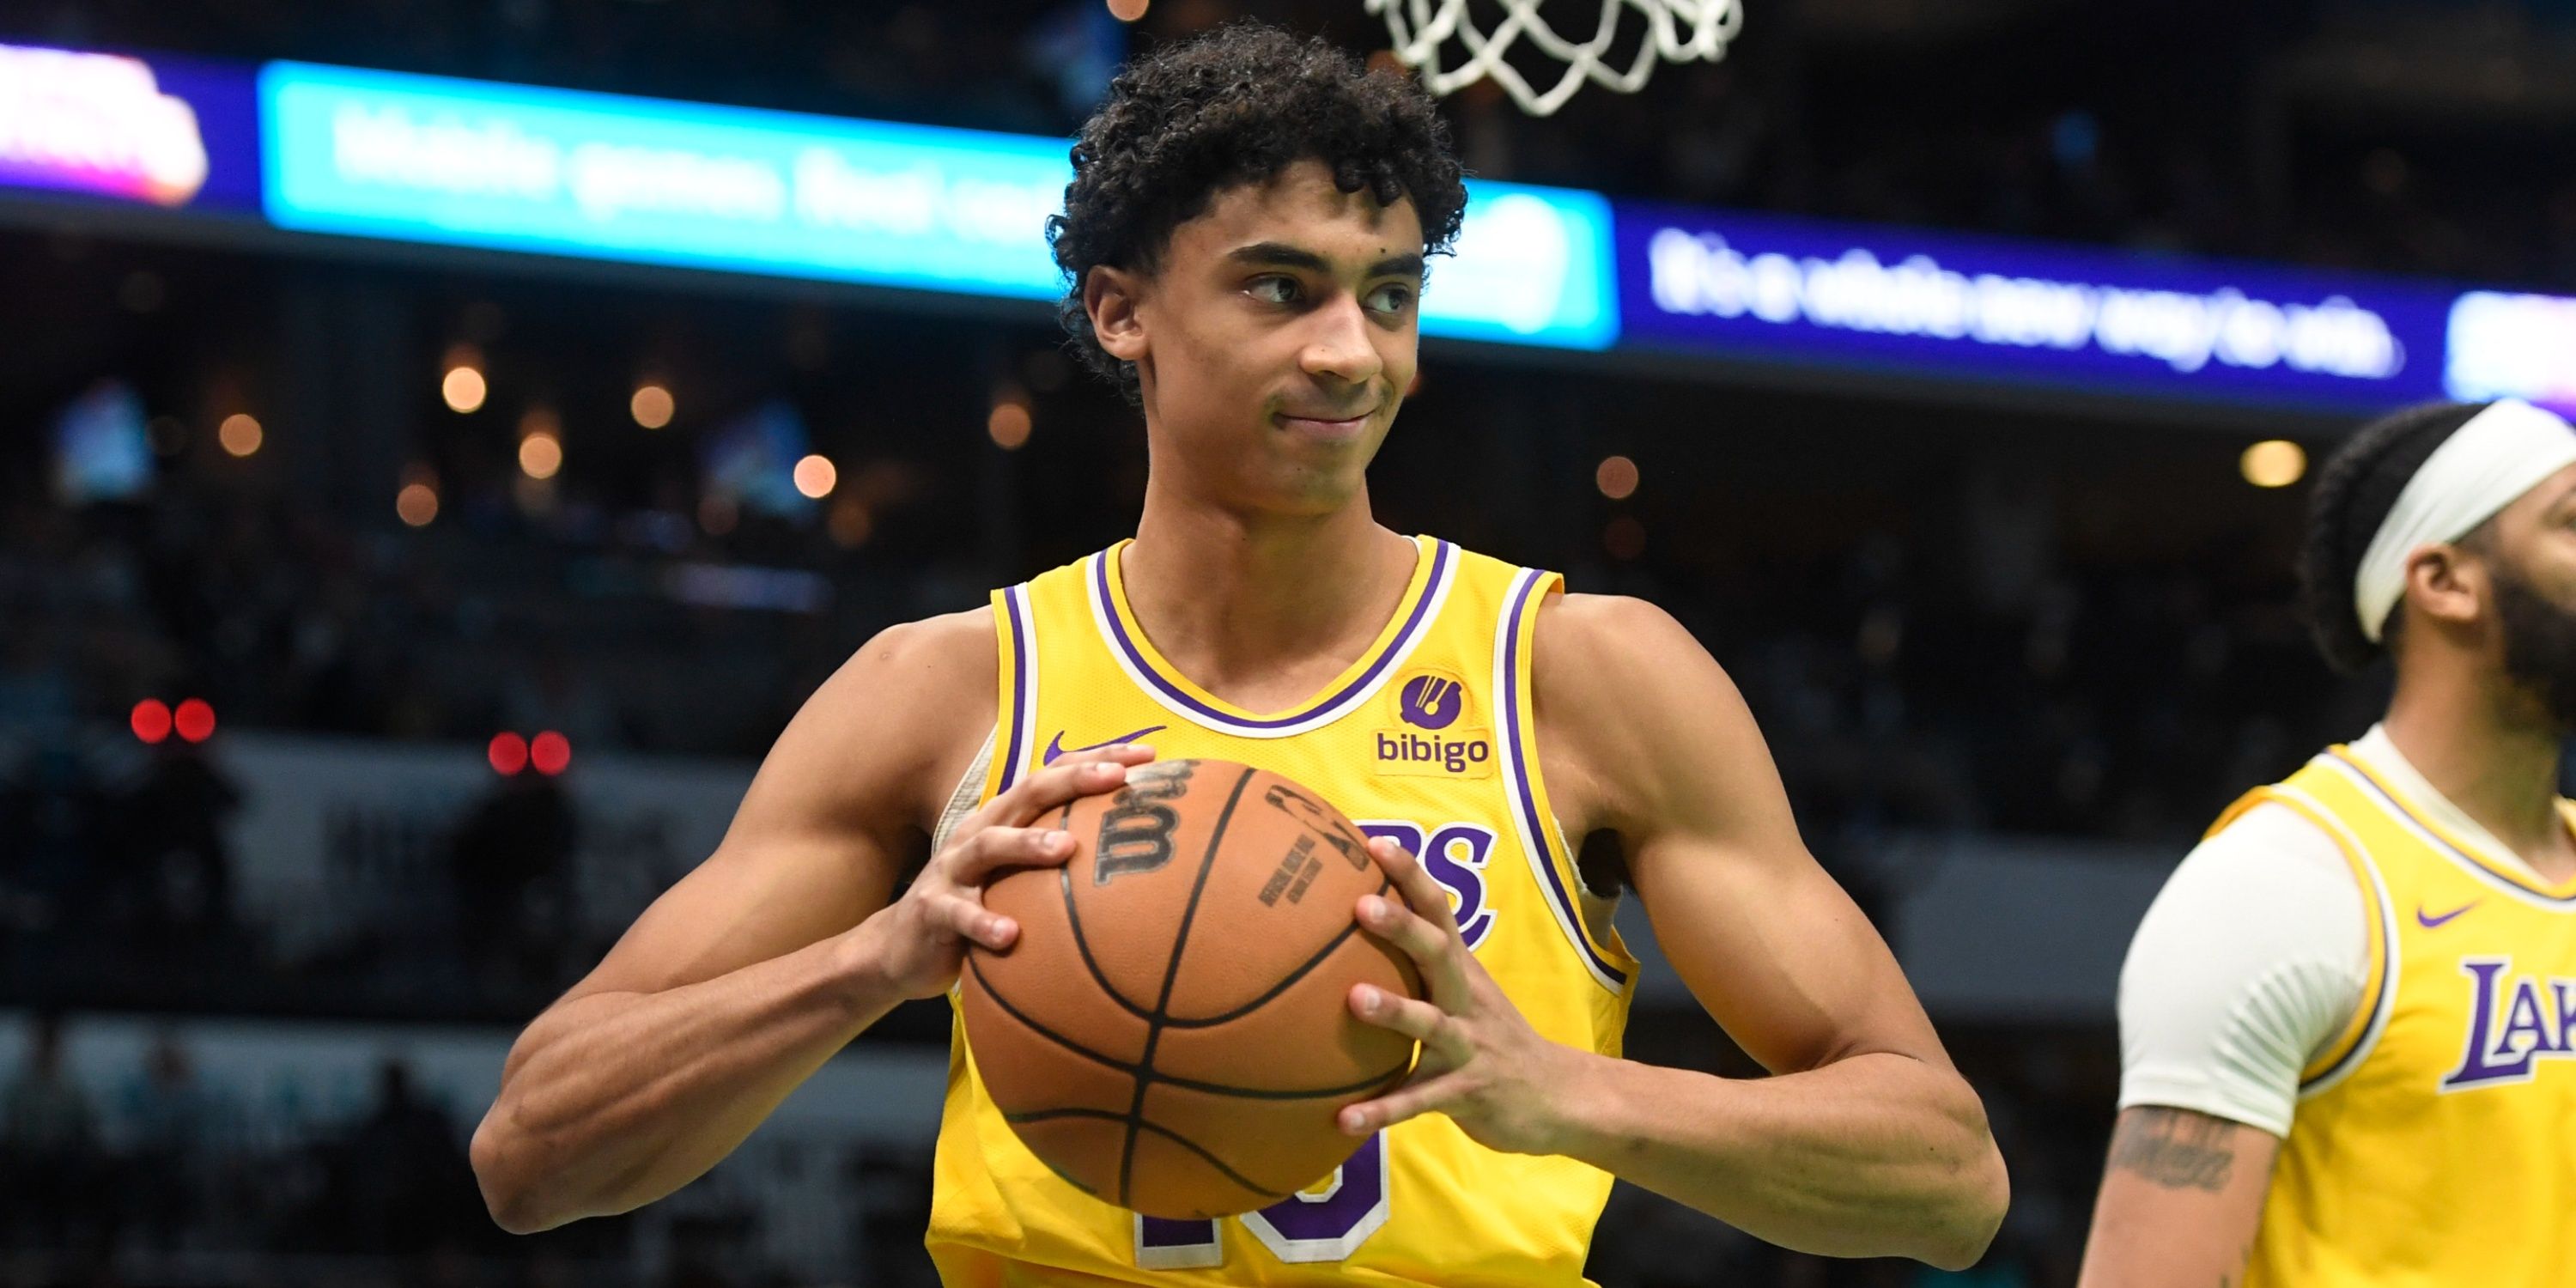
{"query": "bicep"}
[(1769, 943), (1776, 951), (829, 824), (2182, 1197)]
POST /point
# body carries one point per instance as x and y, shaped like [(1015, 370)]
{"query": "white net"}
[(1676, 31)]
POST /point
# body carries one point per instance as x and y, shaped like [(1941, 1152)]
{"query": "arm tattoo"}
[(2176, 1149)]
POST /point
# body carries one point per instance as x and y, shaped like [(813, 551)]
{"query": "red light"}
[(508, 753), (151, 720), (194, 720), (550, 752)]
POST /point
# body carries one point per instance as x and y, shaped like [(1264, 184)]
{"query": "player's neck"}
[(1263, 609), (2490, 752)]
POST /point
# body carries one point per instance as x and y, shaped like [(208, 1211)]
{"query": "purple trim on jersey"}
[(1019, 684), (1537, 826), (2370, 785), (1395, 648)]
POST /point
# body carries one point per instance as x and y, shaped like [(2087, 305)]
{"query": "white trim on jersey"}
[(1435, 598), (1521, 803)]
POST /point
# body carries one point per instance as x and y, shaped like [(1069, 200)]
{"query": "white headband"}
[(2484, 466)]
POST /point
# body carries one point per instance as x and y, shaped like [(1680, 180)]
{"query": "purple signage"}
[(1808, 292), (168, 132)]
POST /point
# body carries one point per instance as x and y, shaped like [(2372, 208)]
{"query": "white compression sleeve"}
[(2251, 960)]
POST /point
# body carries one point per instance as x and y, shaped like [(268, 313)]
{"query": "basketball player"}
[(2345, 1023), (1245, 232)]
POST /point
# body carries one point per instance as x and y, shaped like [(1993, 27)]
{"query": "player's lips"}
[(1325, 427)]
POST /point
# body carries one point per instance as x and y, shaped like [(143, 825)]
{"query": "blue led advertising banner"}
[(469, 163), (1757, 287), (417, 158), (155, 132), (1532, 266)]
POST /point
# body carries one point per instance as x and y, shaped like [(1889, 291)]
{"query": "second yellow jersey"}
[(2430, 1146), (1427, 738)]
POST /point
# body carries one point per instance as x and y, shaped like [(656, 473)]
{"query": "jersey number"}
[(1327, 1223)]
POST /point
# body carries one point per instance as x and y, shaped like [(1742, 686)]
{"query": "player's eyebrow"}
[(1283, 255)]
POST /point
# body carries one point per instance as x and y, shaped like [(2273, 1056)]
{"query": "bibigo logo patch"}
[(1437, 731)]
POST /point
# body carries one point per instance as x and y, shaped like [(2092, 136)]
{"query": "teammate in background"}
[(2345, 1024), (1245, 234)]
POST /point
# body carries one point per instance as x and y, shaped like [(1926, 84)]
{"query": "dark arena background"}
[(440, 447)]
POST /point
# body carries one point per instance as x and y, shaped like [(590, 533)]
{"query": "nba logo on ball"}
[(1431, 736)]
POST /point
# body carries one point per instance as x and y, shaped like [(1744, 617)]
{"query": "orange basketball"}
[(1170, 1031)]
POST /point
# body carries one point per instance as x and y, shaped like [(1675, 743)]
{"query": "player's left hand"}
[(1482, 1064)]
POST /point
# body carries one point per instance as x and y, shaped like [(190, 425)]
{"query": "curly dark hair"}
[(2354, 494), (1233, 107)]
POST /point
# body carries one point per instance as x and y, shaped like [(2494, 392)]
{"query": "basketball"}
[(1169, 1032)]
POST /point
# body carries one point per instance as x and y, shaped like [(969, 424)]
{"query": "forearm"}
[(613, 1100), (2154, 1242), (1875, 1155)]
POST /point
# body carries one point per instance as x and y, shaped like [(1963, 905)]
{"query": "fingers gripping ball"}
[(1169, 1031)]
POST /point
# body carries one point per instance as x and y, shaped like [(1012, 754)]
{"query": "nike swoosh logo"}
[(2436, 923), (1055, 746)]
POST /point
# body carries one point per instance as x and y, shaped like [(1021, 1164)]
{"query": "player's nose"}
[(1339, 349)]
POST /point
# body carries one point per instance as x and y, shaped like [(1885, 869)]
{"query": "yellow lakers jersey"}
[(1428, 739), (2430, 1144)]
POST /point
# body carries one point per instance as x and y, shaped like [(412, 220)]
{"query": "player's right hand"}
[(919, 940)]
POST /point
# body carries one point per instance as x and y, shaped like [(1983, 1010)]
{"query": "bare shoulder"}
[(1580, 633), (1639, 727), (1628, 706), (912, 706), (954, 652), (1602, 664)]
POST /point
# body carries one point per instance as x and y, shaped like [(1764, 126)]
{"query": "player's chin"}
[(1297, 480), (1303, 490)]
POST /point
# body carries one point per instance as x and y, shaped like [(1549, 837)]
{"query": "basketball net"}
[(1676, 31)]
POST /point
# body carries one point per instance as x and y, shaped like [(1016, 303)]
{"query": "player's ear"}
[(1110, 295), (2447, 583)]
